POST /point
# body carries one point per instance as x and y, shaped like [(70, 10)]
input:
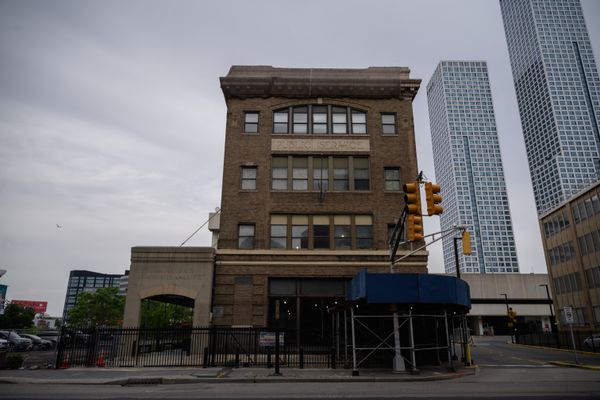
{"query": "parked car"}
[(77, 338), (38, 342), (16, 342), (592, 342), (3, 345)]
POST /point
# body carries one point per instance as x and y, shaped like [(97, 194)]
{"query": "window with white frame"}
[(388, 124), (246, 236), (251, 122), (248, 178)]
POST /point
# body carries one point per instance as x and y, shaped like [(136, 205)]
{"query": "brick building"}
[(314, 165)]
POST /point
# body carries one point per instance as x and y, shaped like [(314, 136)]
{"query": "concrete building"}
[(558, 91), (312, 184), (468, 166), (492, 294), (571, 238), (86, 281)]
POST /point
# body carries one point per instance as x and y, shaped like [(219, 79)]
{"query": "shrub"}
[(13, 361)]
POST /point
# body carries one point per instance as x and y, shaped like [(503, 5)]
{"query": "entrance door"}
[(304, 305)]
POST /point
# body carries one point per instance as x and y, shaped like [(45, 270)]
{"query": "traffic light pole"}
[(456, 257), (394, 243), (442, 234)]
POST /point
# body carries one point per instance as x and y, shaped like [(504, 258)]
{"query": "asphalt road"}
[(506, 372), (494, 351)]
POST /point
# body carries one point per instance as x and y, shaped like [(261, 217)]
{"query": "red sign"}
[(38, 306)]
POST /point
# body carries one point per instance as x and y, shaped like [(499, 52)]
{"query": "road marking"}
[(516, 366)]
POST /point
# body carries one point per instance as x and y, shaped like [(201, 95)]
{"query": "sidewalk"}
[(147, 376)]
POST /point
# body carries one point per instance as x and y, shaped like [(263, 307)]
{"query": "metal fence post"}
[(277, 351), (333, 358)]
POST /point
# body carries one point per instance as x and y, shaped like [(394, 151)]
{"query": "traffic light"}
[(412, 198), (433, 198), (466, 242), (512, 318), (414, 227)]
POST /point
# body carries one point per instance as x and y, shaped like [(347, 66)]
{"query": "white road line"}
[(517, 365)]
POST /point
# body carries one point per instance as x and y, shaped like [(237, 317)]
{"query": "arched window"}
[(318, 119)]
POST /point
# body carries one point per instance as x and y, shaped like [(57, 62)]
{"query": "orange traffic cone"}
[(65, 362), (100, 361)]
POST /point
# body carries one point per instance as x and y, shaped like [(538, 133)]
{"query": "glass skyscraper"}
[(558, 91), (468, 166)]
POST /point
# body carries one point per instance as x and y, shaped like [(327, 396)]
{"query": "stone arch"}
[(179, 271)]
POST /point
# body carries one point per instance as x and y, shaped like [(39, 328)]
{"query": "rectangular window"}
[(578, 316), (320, 174), (321, 232), (576, 216), (248, 178), (299, 232), (339, 120), (343, 232), (361, 173), (319, 116), (280, 121), (300, 116), (388, 124), (596, 203), (279, 170), (340, 173), (392, 178), (246, 236), (251, 122), (364, 231), (359, 122), (278, 232), (300, 173)]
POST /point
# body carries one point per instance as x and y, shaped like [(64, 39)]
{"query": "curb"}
[(531, 346), (161, 380), (573, 365)]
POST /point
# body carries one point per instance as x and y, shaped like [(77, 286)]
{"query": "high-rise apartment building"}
[(558, 91), (468, 166)]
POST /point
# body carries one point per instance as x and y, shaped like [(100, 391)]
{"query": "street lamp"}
[(508, 316), (505, 300), (549, 304)]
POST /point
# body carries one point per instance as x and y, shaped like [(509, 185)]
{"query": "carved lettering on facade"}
[(172, 276), (308, 145)]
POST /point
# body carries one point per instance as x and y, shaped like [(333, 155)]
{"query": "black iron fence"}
[(203, 347), (584, 339)]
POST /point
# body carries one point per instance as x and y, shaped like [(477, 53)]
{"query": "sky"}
[(112, 121)]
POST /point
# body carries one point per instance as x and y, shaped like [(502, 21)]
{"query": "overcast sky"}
[(112, 120)]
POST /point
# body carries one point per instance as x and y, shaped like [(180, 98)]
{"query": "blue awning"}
[(413, 289)]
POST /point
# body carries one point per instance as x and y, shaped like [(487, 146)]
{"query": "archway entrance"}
[(167, 311)]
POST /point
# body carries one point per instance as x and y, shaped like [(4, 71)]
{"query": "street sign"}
[(569, 320), (267, 339), (568, 314)]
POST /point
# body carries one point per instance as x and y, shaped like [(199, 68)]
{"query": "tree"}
[(17, 317), (157, 314), (104, 307)]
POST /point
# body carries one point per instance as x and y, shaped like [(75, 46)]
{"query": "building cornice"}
[(371, 83)]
